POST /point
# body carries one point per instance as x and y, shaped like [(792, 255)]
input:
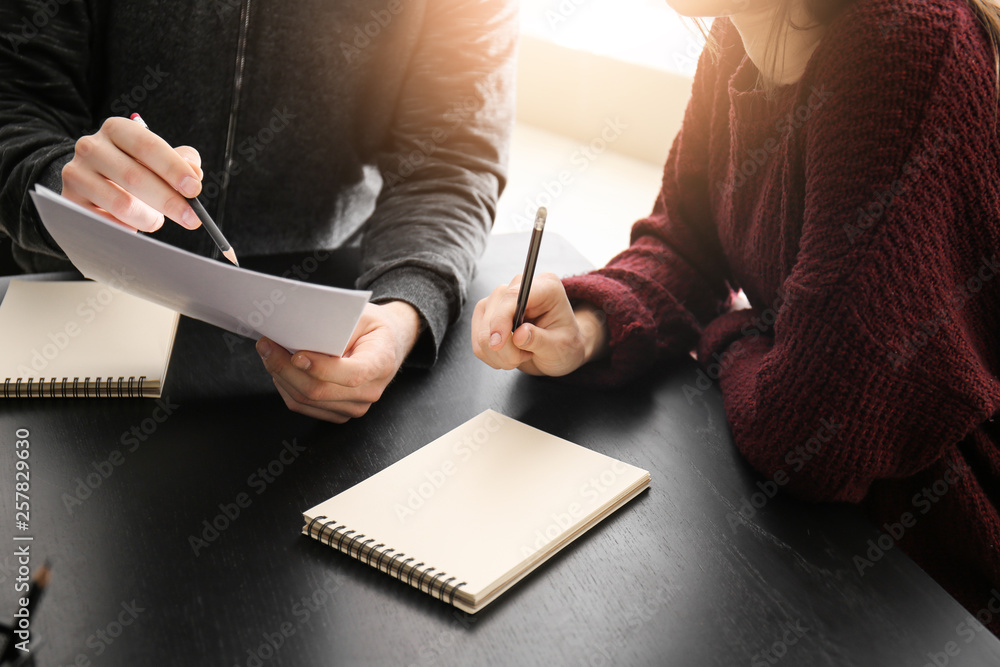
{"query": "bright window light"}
[(646, 32)]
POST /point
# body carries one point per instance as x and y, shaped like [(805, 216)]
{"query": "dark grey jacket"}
[(316, 120)]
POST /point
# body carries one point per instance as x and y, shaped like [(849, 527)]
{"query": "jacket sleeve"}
[(44, 57), (874, 360), (446, 165), (656, 295)]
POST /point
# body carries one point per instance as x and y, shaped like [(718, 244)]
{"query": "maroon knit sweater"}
[(859, 210)]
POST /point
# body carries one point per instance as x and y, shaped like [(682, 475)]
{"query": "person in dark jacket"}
[(317, 124)]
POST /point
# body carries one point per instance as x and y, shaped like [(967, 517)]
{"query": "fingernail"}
[(495, 339), (189, 187), (301, 362), (190, 219), (263, 349)]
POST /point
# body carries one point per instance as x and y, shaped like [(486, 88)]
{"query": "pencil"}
[(206, 220), (39, 582), (529, 266)]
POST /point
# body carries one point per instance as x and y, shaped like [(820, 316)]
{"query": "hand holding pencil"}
[(554, 339), (129, 175)]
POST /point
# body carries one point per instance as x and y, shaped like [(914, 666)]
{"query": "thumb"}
[(531, 338)]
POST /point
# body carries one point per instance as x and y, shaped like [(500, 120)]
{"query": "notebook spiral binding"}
[(396, 565), (66, 388)]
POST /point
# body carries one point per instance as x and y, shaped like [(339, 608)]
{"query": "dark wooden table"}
[(122, 489)]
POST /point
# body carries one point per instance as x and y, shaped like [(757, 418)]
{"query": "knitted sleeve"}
[(655, 295), (882, 351)]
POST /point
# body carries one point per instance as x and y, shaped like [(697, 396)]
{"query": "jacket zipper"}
[(241, 48)]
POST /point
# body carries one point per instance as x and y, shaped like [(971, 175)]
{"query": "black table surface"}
[(121, 489)]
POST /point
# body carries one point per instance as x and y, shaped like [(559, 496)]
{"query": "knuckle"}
[(132, 176), (356, 378), (175, 206), (358, 410), (70, 172), (314, 392), (110, 123), (373, 395), (85, 145), (146, 145), (121, 205)]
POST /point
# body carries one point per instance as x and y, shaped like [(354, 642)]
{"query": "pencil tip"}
[(231, 256), (44, 575)]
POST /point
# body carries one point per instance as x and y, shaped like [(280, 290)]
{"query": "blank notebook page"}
[(486, 501), (82, 329)]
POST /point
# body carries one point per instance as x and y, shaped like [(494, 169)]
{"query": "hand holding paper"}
[(298, 316), (338, 389)]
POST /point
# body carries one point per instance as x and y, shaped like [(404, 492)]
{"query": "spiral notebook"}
[(469, 515), (81, 339)]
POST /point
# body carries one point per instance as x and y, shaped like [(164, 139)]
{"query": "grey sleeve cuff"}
[(428, 293)]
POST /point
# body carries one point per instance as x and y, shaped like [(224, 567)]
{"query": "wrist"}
[(405, 321), (593, 326)]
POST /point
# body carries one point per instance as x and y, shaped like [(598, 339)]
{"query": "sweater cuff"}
[(427, 293), (635, 340), (721, 333)]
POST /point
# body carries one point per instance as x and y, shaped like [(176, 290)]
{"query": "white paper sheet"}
[(296, 315)]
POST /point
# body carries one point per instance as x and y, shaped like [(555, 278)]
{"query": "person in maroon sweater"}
[(850, 188)]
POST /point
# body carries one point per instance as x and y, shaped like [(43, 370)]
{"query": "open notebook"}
[(467, 516), (82, 339)]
